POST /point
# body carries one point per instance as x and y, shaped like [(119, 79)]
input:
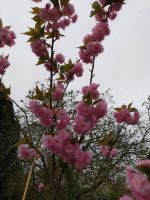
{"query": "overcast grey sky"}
[(124, 67)]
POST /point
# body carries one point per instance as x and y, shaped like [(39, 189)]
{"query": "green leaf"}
[(82, 47), (55, 2), (5, 91), (130, 104), (96, 8), (36, 10), (1, 23), (21, 141), (64, 2), (132, 109), (117, 109), (40, 61)]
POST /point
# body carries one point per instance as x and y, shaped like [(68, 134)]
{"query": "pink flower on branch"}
[(39, 48), (138, 184), (91, 90), (59, 58), (4, 64), (125, 115), (108, 152), (71, 153), (26, 153), (7, 37), (44, 114), (58, 92)]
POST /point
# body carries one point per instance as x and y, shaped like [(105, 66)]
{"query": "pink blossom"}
[(54, 26), (91, 90), (26, 153), (68, 153), (46, 117), (100, 31), (44, 12), (77, 69), (124, 116), (135, 118), (68, 10), (35, 108), (71, 153), (85, 56), (116, 6), (112, 15), (82, 159), (58, 93), (94, 48), (88, 38), (44, 114), (4, 63), (99, 16), (56, 143), (74, 18), (50, 14), (60, 58), (47, 65), (38, 48), (64, 23), (63, 119), (40, 187), (108, 152), (84, 109), (100, 109), (125, 197), (81, 126), (138, 184), (7, 37)]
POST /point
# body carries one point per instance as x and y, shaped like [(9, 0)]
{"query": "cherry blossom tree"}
[(63, 146)]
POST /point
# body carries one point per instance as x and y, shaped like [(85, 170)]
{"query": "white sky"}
[(124, 67)]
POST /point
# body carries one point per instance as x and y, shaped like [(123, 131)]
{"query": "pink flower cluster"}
[(76, 70), (92, 42), (91, 90), (63, 119), (59, 58), (26, 153), (124, 115), (112, 9), (58, 18), (138, 184), (92, 46), (58, 93), (87, 116), (44, 114), (7, 37), (92, 50), (4, 63), (108, 152), (39, 48), (71, 153)]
